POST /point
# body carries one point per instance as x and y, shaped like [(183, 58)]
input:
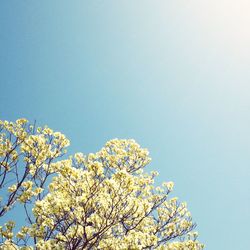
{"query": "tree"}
[(96, 201)]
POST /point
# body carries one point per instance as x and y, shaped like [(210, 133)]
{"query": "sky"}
[(173, 75)]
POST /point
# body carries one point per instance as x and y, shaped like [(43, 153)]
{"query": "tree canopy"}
[(96, 201)]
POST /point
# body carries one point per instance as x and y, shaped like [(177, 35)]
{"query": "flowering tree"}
[(97, 201)]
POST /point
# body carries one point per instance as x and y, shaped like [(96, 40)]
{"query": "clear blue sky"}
[(174, 75)]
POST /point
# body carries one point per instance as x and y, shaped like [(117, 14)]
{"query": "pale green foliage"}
[(95, 201)]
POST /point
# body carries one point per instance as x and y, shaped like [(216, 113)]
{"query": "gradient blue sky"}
[(174, 75)]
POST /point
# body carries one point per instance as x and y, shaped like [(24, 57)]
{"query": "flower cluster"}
[(97, 201), (26, 156)]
